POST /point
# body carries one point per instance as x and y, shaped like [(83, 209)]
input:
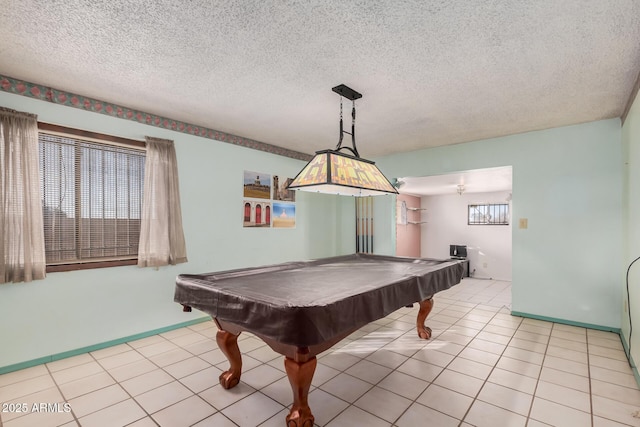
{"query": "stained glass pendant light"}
[(334, 172)]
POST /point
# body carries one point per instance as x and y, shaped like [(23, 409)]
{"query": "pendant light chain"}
[(353, 114), (353, 129)]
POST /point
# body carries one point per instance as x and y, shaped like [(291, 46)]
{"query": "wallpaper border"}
[(73, 100)]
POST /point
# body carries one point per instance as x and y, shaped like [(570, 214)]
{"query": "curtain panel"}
[(21, 222), (161, 235)]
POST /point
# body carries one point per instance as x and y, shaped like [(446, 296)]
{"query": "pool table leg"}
[(424, 332), (300, 375), (228, 344)]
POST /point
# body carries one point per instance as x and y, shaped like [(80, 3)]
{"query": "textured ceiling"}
[(431, 72)]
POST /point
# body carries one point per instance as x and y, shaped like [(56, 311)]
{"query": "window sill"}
[(54, 268)]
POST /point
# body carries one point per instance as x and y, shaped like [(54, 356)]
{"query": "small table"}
[(301, 309), (465, 262)]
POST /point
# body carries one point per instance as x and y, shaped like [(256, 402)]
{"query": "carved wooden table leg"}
[(300, 375), (228, 344), (424, 332)]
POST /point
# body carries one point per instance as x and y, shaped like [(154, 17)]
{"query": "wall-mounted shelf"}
[(402, 214)]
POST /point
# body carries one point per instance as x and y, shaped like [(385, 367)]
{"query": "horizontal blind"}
[(92, 199)]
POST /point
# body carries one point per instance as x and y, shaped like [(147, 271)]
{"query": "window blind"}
[(92, 199)]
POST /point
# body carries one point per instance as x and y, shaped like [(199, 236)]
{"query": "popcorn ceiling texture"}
[(431, 72)]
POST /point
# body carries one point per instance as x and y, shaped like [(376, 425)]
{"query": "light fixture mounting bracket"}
[(347, 92)]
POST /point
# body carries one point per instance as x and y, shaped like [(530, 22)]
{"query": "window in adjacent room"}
[(489, 214), (92, 187)]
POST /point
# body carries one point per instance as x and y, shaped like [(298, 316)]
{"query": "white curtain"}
[(21, 223), (161, 236)]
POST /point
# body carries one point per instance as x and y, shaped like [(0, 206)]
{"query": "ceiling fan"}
[(398, 182)]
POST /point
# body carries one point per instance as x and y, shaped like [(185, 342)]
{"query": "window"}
[(92, 188), (489, 214)]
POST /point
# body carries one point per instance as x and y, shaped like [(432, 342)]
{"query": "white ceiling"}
[(432, 72), (473, 181)]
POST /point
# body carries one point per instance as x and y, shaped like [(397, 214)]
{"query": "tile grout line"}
[(415, 401), (592, 415), (172, 376), (176, 379), (150, 416), (73, 414), (102, 388), (454, 302), (255, 390), (105, 370), (344, 371), (589, 378), (475, 398), (535, 389)]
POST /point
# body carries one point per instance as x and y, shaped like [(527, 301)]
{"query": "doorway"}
[(433, 214)]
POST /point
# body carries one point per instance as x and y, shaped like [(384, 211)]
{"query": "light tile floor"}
[(482, 367)]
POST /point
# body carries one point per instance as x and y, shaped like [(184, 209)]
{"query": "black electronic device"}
[(458, 251)]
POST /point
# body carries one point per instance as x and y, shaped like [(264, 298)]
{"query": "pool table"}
[(301, 309)]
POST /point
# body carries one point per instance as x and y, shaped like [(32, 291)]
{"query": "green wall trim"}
[(634, 367), (567, 322), (70, 353)]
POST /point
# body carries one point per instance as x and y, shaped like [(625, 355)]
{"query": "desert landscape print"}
[(284, 215)]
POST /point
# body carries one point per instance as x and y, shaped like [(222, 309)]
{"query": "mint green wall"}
[(631, 143), (384, 223), (568, 183), (71, 310)]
